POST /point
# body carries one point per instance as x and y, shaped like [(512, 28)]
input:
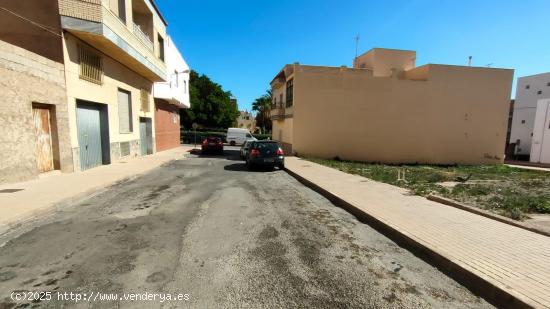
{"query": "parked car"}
[(212, 145), (237, 136), (265, 153), (244, 148)]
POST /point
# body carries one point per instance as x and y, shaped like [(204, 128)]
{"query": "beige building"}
[(34, 134), (385, 109), (246, 120), (114, 51)]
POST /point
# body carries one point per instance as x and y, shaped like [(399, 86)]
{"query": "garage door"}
[(89, 135)]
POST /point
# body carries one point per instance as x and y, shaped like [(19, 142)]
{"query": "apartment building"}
[(114, 50), (386, 109), (246, 120), (530, 89), (33, 111), (540, 148), (170, 97)]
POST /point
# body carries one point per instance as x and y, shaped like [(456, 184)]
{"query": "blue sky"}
[(243, 44)]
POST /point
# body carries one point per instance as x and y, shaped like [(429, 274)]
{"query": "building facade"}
[(540, 148), (246, 120), (385, 109), (170, 97), (33, 111), (114, 50), (530, 89)]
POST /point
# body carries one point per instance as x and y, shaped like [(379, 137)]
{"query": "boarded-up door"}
[(42, 130), (89, 135)]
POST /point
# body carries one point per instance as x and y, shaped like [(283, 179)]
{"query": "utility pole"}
[(470, 61)]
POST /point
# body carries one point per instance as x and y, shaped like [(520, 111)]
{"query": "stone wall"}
[(29, 78)]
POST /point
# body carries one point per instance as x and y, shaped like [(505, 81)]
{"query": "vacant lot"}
[(505, 190)]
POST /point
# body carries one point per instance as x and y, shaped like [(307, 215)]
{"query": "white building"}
[(170, 97), (176, 89), (530, 89), (540, 150)]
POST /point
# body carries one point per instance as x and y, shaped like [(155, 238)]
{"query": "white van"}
[(237, 136)]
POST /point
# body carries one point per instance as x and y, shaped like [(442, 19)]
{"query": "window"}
[(144, 100), (281, 100), (548, 84), (275, 102), (175, 117), (177, 78), (523, 121), (527, 86), (122, 10), (124, 111), (161, 47), (91, 68), (289, 92), (539, 92)]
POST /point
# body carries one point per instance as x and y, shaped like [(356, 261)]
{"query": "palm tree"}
[(262, 107)]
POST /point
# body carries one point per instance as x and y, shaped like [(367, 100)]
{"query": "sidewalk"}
[(508, 265), (40, 194)]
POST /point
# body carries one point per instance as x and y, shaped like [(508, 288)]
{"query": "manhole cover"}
[(10, 190)]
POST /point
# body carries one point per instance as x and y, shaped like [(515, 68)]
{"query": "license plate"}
[(269, 160), (211, 144)]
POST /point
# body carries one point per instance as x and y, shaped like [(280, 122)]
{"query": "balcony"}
[(126, 41), (144, 38), (280, 113)]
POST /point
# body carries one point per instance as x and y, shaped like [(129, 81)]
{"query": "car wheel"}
[(232, 143), (249, 165), (281, 166)]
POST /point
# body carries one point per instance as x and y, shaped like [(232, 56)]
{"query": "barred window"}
[(91, 68), (144, 95)]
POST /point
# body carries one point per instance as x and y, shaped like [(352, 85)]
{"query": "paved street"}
[(207, 227)]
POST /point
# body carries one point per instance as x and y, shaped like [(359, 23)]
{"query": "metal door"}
[(89, 135), (42, 130), (146, 136)]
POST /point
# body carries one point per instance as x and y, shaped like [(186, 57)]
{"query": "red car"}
[(212, 145)]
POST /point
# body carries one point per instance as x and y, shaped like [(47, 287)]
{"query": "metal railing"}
[(144, 38)]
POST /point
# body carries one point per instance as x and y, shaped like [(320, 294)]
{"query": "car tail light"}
[(205, 142), (254, 152), (280, 152)]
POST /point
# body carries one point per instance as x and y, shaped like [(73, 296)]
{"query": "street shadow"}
[(241, 167), (233, 155)]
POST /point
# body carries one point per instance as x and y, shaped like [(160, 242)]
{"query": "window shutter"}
[(124, 111)]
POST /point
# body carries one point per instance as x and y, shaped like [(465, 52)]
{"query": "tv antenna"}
[(357, 37)]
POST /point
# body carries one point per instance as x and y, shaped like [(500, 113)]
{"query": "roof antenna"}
[(357, 37), (469, 61)]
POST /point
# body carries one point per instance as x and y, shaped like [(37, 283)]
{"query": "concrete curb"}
[(494, 294), (484, 213)]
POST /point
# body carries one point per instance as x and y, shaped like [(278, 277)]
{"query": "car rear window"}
[(270, 146), (213, 139)]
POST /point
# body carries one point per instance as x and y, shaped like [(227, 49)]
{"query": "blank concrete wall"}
[(458, 115)]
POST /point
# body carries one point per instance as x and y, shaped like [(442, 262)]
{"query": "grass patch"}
[(505, 190)]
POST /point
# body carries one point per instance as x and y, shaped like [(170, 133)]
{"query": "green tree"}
[(211, 106), (262, 107)]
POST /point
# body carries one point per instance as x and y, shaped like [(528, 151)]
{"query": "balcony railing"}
[(280, 113), (144, 38)]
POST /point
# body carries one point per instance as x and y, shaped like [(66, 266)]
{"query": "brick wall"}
[(29, 78), (82, 9)]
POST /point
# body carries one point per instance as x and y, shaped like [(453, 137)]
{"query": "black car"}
[(265, 153)]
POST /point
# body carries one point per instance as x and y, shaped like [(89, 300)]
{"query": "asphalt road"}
[(226, 237)]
